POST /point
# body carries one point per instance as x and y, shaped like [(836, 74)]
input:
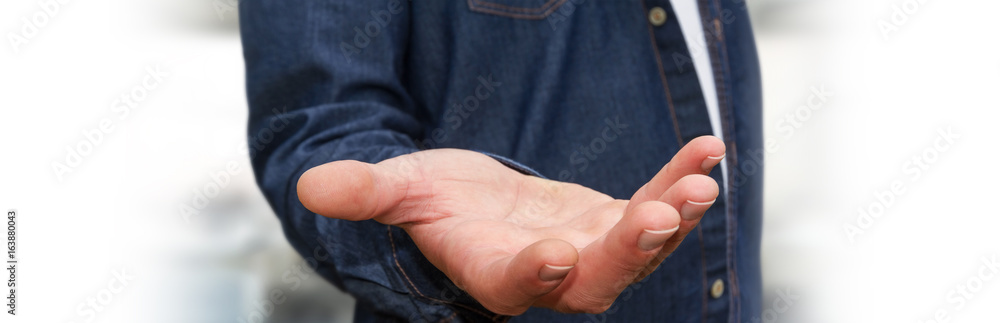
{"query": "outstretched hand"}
[(514, 241)]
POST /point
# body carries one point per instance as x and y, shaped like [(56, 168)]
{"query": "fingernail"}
[(649, 239), (711, 161), (550, 272), (689, 211)]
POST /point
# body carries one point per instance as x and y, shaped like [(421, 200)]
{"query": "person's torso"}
[(602, 94)]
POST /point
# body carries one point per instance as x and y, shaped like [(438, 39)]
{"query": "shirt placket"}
[(685, 100)]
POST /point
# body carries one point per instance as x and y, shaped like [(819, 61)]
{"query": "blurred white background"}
[(894, 80)]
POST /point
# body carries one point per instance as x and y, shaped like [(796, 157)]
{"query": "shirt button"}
[(718, 287), (657, 16), (718, 28)]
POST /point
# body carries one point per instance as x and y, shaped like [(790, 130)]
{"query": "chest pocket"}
[(520, 9)]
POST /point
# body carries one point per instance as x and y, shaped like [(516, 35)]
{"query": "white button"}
[(718, 287), (657, 16)]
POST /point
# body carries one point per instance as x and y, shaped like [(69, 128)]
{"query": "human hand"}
[(514, 241)]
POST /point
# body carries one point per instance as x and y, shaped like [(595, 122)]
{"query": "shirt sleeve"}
[(324, 84)]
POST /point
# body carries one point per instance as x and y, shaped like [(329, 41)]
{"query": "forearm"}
[(309, 105)]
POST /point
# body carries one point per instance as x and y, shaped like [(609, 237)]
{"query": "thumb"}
[(351, 190)]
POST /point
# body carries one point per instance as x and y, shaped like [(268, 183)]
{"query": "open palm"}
[(514, 241)]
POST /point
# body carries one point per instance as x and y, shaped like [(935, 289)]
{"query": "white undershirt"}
[(689, 17)]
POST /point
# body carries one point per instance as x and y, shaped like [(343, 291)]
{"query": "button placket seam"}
[(733, 190), (720, 69), (663, 76)]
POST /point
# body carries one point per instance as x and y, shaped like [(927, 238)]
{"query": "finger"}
[(697, 157), (612, 262), (351, 190), (514, 283), (692, 195)]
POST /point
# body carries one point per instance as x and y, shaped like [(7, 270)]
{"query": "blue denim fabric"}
[(581, 91)]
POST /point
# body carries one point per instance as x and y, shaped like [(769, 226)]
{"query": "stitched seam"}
[(395, 259), (719, 72), (413, 286), (511, 8), (704, 277), (732, 191), (733, 164), (535, 16), (509, 15), (663, 78)]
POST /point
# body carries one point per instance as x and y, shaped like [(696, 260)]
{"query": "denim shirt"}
[(589, 92)]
